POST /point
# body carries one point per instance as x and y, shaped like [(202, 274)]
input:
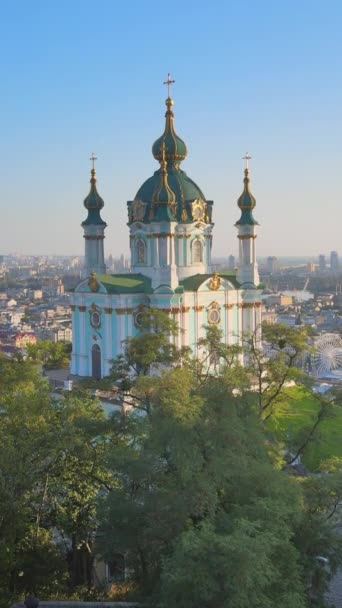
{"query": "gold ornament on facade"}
[(138, 210), (95, 316), (198, 210), (213, 313), (215, 281), (184, 215), (93, 283)]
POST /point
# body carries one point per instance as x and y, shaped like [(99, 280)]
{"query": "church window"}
[(213, 314), (140, 251), (197, 252)]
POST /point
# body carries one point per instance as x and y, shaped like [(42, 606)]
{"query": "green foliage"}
[(197, 507), (52, 355), (154, 346), (51, 455), (185, 485), (250, 566)]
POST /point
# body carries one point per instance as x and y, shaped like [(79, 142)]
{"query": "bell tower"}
[(93, 227), (247, 275)]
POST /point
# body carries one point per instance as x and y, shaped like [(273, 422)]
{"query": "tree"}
[(51, 354), (196, 470), (52, 469)]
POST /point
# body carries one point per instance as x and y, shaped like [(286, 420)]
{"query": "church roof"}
[(194, 282), (125, 283)]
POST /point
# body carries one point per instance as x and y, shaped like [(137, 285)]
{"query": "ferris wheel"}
[(327, 355)]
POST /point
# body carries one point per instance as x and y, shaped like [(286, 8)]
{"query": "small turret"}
[(94, 228), (247, 274)]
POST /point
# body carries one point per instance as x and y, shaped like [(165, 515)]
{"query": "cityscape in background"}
[(35, 293)]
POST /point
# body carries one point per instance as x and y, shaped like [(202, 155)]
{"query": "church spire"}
[(175, 148), (94, 228), (247, 274), (93, 202), (246, 202)]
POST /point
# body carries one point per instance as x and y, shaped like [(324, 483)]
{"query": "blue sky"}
[(263, 76)]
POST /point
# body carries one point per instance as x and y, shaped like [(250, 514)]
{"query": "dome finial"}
[(246, 158), (168, 82), (93, 158)]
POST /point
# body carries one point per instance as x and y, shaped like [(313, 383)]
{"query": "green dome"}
[(184, 189), (94, 203), (246, 202), (169, 195), (181, 185), (175, 148)]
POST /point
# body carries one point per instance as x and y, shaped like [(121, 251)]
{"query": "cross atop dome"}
[(169, 82), (93, 158), (246, 158)]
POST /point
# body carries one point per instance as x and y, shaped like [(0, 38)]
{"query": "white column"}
[(108, 341), (83, 361)]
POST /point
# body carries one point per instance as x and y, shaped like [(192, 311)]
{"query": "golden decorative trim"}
[(187, 236), (123, 311), (251, 304), (214, 313), (247, 236), (82, 308), (93, 283), (198, 308), (215, 281), (228, 306), (108, 311), (180, 236), (185, 308)]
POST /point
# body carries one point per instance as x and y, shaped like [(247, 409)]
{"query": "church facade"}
[(170, 224)]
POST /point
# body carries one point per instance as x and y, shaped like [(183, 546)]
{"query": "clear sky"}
[(79, 76)]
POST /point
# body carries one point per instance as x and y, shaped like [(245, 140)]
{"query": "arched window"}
[(140, 251), (96, 362), (197, 252)]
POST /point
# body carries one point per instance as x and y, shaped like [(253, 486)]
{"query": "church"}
[(170, 223)]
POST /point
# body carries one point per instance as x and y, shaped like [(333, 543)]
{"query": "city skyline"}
[(93, 81)]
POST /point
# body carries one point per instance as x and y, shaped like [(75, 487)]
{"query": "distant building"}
[(231, 262), (334, 261), (279, 300), (311, 267), (322, 265), (272, 265), (23, 339)]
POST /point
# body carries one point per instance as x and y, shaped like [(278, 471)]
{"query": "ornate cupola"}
[(94, 228), (175, 147), (170, 220), (247, 274)]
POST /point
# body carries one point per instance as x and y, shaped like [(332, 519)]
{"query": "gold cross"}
[(169, 82), (247, 157), (93, 158)]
